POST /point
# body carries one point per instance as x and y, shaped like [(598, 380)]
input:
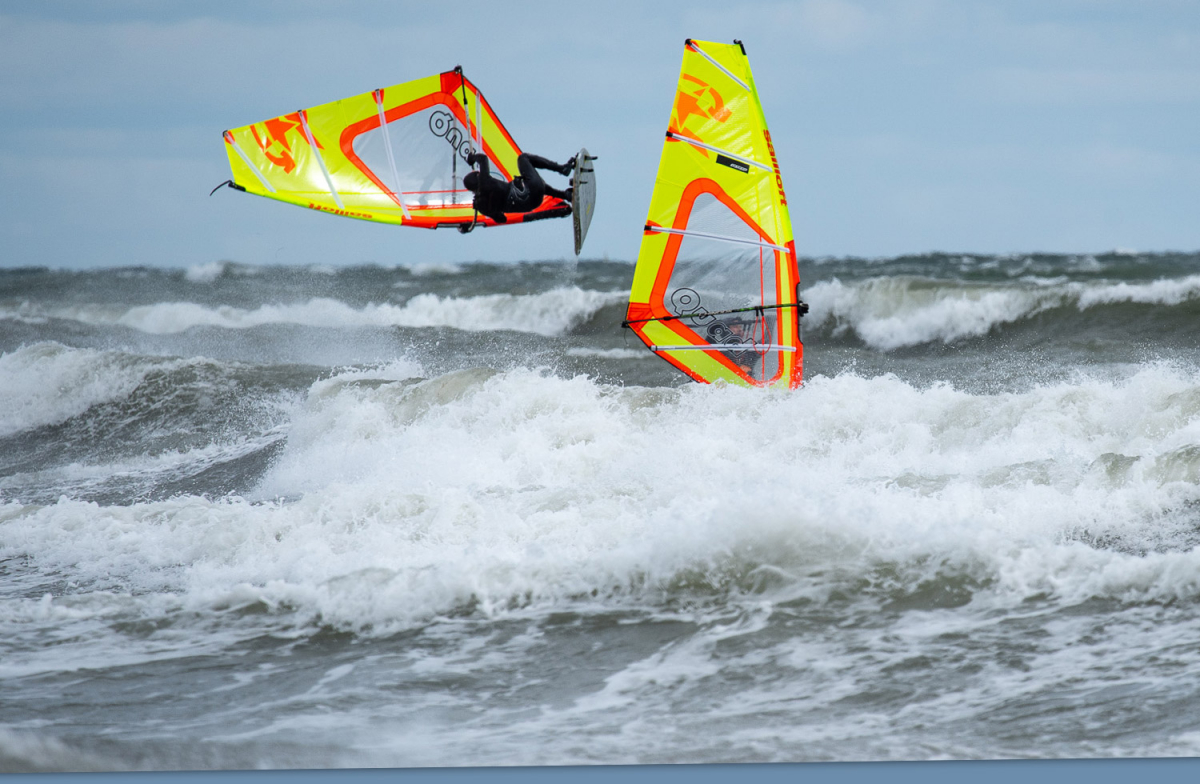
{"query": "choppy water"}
[(297, 517)]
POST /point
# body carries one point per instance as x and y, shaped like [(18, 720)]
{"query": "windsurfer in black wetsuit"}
[(741, 331), (494, 197)]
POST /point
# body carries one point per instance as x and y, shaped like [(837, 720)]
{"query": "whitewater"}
[(455, 515)]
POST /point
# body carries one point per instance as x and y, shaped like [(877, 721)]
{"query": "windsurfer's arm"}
[(493, 193), (480, 160)]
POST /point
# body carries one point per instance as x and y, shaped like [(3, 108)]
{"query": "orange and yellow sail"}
[(393, 155), (715, 288)]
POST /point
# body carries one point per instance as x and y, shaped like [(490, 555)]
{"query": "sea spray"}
[(258, 531)]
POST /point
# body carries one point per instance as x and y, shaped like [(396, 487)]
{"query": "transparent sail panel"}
[(711, 276), (712, 216), (430, 148)]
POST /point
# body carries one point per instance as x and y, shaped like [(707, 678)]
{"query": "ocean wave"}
[(889, 313), (47, 383), (32, 752), (206, 272), (548, 313), (210, 271), (431, 268), (126, 479), (609, 353), (491, 492), (128, 427), (1158, 292)]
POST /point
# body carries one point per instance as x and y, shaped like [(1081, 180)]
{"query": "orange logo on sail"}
[(775, 163), (698, 99), (274, 142)]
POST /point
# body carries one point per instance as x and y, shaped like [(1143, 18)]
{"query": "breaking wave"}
[(548, 313), (898, 312), (47, 383), (410, 499)]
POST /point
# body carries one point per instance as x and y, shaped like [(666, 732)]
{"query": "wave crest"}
[(547, 313), (898, 312)]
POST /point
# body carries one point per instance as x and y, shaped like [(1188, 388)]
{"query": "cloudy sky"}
[(901, 126)]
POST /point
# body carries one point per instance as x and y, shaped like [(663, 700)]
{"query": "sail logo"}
[(725, 160), (347, 213), (775, 163), (686, 304), (274, 140), (442, 124), (698, 99)]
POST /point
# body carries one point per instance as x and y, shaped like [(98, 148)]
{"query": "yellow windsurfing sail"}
[(715, 291), (393, 155)]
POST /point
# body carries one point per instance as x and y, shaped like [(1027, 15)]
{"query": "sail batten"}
[(715, 290), (698, 143), (718, 237), (397, 188), (727, 347), (320, 161), (696, 48), (249, 164)]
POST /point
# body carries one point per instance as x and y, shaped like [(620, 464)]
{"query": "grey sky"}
[(904, 126)]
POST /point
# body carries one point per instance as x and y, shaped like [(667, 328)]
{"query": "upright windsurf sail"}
[(393, 155), (715, 291)]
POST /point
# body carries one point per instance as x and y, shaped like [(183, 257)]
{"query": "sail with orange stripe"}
[(715, 290), (393, 155)]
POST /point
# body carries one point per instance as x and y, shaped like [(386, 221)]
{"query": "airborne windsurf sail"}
[(715, 290), (393, 155)]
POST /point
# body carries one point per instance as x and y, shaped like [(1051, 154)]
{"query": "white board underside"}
[(583, 196)]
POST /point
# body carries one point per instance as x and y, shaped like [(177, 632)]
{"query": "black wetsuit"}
[(496, 197)]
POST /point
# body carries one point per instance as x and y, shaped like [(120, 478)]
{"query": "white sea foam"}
[(548, 313), (434, 268), (206, 272), (609, 353), (25, 312), (22, 752), (409, 499), (1158, 292), (894, 312), (890, 313), (47, 383)]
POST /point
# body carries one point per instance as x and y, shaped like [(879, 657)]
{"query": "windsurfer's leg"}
[(527, 166), (535, 186), (549, 165), (564, 195)]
